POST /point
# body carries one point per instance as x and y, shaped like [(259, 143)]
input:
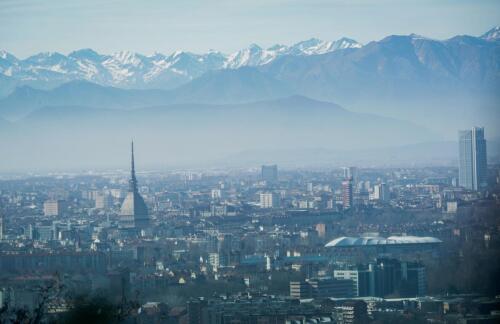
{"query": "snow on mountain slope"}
[(133, 70), (492, 35), (255, 55)]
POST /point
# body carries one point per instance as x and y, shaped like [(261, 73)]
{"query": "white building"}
[(380, 192), (269, 200), (214, 261), (54, 207), (216, 194)]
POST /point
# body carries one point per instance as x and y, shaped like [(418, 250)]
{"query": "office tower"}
[(472, 158), (387, 277), (269, 200), (43, 232), (269, 173), (381, 192), (103, 201), (375, 195), (347, 193), (385, 194), (414, 279), (362, 278), (351, 173), (134, 213), (1, 227), (408, 279), (54, 207)]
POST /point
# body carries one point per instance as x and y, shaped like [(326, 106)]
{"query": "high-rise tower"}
[(472, 159), (134, 213), (269, 173), (347, 195)]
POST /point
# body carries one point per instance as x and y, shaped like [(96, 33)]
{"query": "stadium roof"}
[(345, 241)]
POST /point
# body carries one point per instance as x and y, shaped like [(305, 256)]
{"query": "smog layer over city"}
[(250, 162)]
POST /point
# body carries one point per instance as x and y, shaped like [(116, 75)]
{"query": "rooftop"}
[(345, 241)]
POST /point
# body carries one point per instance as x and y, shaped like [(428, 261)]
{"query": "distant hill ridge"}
[(442, 85)]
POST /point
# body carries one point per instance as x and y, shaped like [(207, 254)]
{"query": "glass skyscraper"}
[(472, 158)]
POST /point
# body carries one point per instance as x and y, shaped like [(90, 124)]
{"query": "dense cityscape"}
[(263, 244), (249, 162)]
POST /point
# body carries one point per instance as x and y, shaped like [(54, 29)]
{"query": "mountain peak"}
[(492, 34), (307, 43), (343, 43), (85, 53), (7, 56), (316, 46), (311, 41), (127, 58), (254, 47), (177, 53)]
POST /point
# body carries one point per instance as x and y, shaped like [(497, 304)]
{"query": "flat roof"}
[(346, 241)]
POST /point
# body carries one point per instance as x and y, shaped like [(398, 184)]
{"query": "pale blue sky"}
[(31, 26)]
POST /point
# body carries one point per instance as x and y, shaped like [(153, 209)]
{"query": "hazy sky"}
[(30, 26)]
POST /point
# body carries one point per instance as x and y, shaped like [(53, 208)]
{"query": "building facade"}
[(347, 195), (54, 207), (269, 200), (472, 159), (269, 173)]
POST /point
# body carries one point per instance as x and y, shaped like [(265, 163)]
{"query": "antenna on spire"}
[(133, 180), (133, 166)]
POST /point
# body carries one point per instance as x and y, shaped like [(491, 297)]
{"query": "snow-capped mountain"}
[(315, 46), (254, 55), (492, 35), (133, 70)]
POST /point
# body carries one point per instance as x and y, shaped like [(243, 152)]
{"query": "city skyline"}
[(264, 161)]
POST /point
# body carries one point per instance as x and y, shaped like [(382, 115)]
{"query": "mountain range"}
[(397, 71), (338, 96), (133, 70)]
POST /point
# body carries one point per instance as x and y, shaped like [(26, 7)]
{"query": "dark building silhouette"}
[(269, 173)]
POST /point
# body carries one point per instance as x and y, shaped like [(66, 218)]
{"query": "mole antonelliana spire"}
[(134, 213), (133, 179)]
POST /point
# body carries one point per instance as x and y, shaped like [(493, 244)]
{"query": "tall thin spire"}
[(133, 180), (134, 212)]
